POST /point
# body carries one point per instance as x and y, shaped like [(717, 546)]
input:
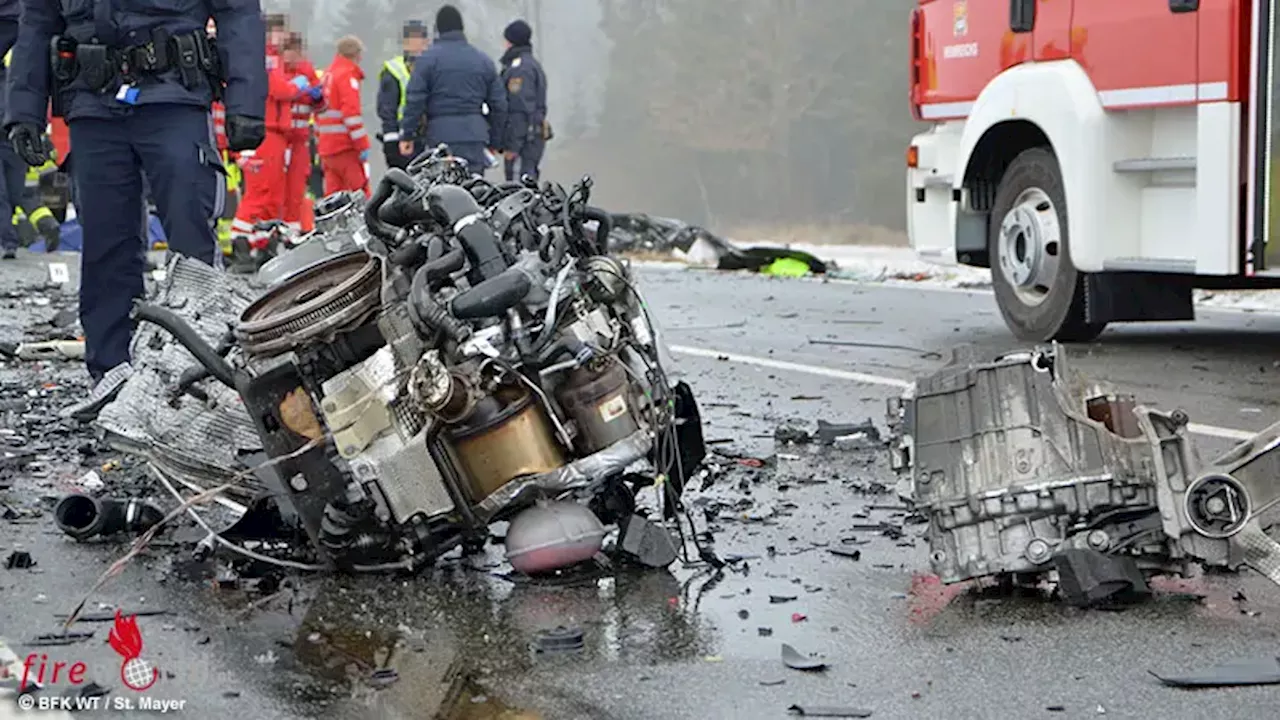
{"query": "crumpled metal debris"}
[(794, 660), (197, 441), (1249, 671), (640, 233)]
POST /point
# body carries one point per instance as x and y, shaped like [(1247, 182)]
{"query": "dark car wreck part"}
[(84, 517), (1018, 461), (477, 362)]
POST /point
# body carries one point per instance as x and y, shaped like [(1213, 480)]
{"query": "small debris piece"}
[(743, 614), (779, 599), (231, 694), (92, 481), (1087, 577), (266, 658), (111, 616), (1248, 671), (794, 660), (559, 640), (58, 639), (825, 711), (846, 552), (93, 689), (1056, 708), (383, 677), (19, 560), (764, 632), (798, 617), (773, 683)]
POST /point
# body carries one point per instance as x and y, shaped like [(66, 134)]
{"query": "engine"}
[(455, 353)]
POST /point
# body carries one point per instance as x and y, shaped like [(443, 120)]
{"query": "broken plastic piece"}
[(829, 433), (559, 640), (19, 560), (794, 660), (83, 517), (1087, 577), (826, 711), (1249, 671), (647, 543)]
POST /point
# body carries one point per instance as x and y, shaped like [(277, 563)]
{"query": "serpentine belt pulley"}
[(328, 298)]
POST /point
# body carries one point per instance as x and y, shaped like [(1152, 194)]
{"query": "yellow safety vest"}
[(399, 70)]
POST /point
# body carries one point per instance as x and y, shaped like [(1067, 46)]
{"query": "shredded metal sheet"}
[(188, 438)]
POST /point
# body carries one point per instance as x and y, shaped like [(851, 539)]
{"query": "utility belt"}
[(193, 55)]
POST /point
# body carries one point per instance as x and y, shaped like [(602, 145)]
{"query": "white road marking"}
[(883, 380)]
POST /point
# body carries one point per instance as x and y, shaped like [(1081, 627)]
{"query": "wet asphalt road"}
[(691, 644)]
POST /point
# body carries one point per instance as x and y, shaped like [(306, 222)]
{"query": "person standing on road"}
[(13, 184), (9, 12), (392, 85), (298, 157), (265, 170), (452, 86), (344, 142), (527, 128), (134, 112)]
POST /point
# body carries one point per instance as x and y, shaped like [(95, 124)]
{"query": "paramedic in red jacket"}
[(344, 142), (264, 168), (303, 74)]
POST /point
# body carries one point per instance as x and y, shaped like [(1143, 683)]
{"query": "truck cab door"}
[(1138, 53), (1263, 132)]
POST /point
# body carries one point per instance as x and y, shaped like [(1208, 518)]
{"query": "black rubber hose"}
[(431, 313), (481, 243), (83, 517), (372, 211), (605, 227), (409, 255), (563, 345), (493, 296), (443, 266), (189, 339)]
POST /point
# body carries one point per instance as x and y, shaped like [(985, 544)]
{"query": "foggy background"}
[(784, 120)]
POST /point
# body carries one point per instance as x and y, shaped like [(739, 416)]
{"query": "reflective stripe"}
[(331, 114), (391, 137), (330, 129), (353, 121), (399, 70), (359, 134), (301, 124), (39, 214)]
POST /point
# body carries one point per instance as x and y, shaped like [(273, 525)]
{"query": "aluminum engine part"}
[(333, 296), (356, 401), (597, 398), (405, 475), (195, 440), (507, 437), (552, 536), (1011, 469)]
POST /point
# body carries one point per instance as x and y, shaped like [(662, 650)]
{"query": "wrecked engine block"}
[(451, 354), (1022, 468)]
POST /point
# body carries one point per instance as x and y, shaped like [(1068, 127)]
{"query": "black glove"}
[(245, 133), (31, 144), (390, 150)]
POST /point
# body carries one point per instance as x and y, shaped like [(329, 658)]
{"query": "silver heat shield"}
[(194, 440), (579, 474)]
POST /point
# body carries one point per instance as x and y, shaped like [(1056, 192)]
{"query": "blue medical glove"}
[(301, 82), (364, 156), (317, 93)]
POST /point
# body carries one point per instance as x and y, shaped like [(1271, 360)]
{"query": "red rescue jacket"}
[(339, 125), (300, 127), (281, 95)]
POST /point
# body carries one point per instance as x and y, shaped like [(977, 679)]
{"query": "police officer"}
[(452, 85), (13, 185), (527, 128), (393, 81), (9, 12), (135, 82)]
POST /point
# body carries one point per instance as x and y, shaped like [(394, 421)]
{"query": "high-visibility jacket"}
[(399, 70), (304, 106), (281, 95), (220, 125), (340, 126)]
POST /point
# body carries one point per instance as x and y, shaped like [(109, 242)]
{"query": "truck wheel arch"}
[(1051, 104)]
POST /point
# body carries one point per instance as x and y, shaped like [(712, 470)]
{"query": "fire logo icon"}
[(136, 673)]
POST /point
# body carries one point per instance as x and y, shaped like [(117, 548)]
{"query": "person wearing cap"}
[(392, 84), (527, 130), (455, 89), (344, 144)]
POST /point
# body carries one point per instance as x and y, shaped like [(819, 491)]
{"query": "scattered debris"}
[(773, 683), (1249, 671), (59, 639), (19, 560), (825, 711), (780, 599), (846, 552), (559, 640), (794, 660), (1087, 577)]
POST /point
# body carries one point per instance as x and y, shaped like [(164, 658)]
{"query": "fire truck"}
[(1103, 158)]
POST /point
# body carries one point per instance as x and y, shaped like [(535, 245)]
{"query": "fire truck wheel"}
[(1039, 291)]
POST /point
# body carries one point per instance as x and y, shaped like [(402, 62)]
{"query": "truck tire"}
[(1037, 287)]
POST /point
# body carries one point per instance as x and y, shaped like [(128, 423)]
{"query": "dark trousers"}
[(526, 160), (473, 153), (174, 146), (13, 186)]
